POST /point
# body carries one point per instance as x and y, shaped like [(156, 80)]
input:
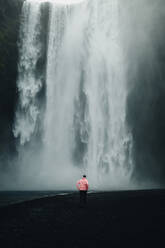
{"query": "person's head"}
[(84, 176)]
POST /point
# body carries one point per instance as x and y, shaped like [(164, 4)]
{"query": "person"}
[(82, 186)]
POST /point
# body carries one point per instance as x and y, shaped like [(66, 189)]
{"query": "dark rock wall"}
[(144, 36), (10, 11)]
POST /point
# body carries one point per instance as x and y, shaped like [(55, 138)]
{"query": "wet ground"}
[(12, 197), (110, 219)]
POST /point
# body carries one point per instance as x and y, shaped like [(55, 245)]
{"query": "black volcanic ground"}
[(110, 219)]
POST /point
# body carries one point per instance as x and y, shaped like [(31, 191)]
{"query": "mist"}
[(143, 39), (118, 147)]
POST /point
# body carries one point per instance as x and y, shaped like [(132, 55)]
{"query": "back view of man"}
[(82, 186)]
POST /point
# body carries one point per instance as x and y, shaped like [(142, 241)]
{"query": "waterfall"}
[(29, 83), (84, 125)]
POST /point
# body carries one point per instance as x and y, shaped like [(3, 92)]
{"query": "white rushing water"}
[(28, 83), (84, 128)]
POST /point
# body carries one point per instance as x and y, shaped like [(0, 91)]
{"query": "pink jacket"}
[(82, 184)]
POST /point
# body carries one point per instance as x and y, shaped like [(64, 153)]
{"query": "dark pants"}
[(83, 197)]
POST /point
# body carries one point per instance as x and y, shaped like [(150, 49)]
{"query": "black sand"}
[(110, 219)]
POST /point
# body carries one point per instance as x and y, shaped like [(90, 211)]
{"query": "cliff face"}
[(144, 35), (10, 11)]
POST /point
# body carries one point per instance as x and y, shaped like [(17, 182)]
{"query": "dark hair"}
[(84, 175)]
